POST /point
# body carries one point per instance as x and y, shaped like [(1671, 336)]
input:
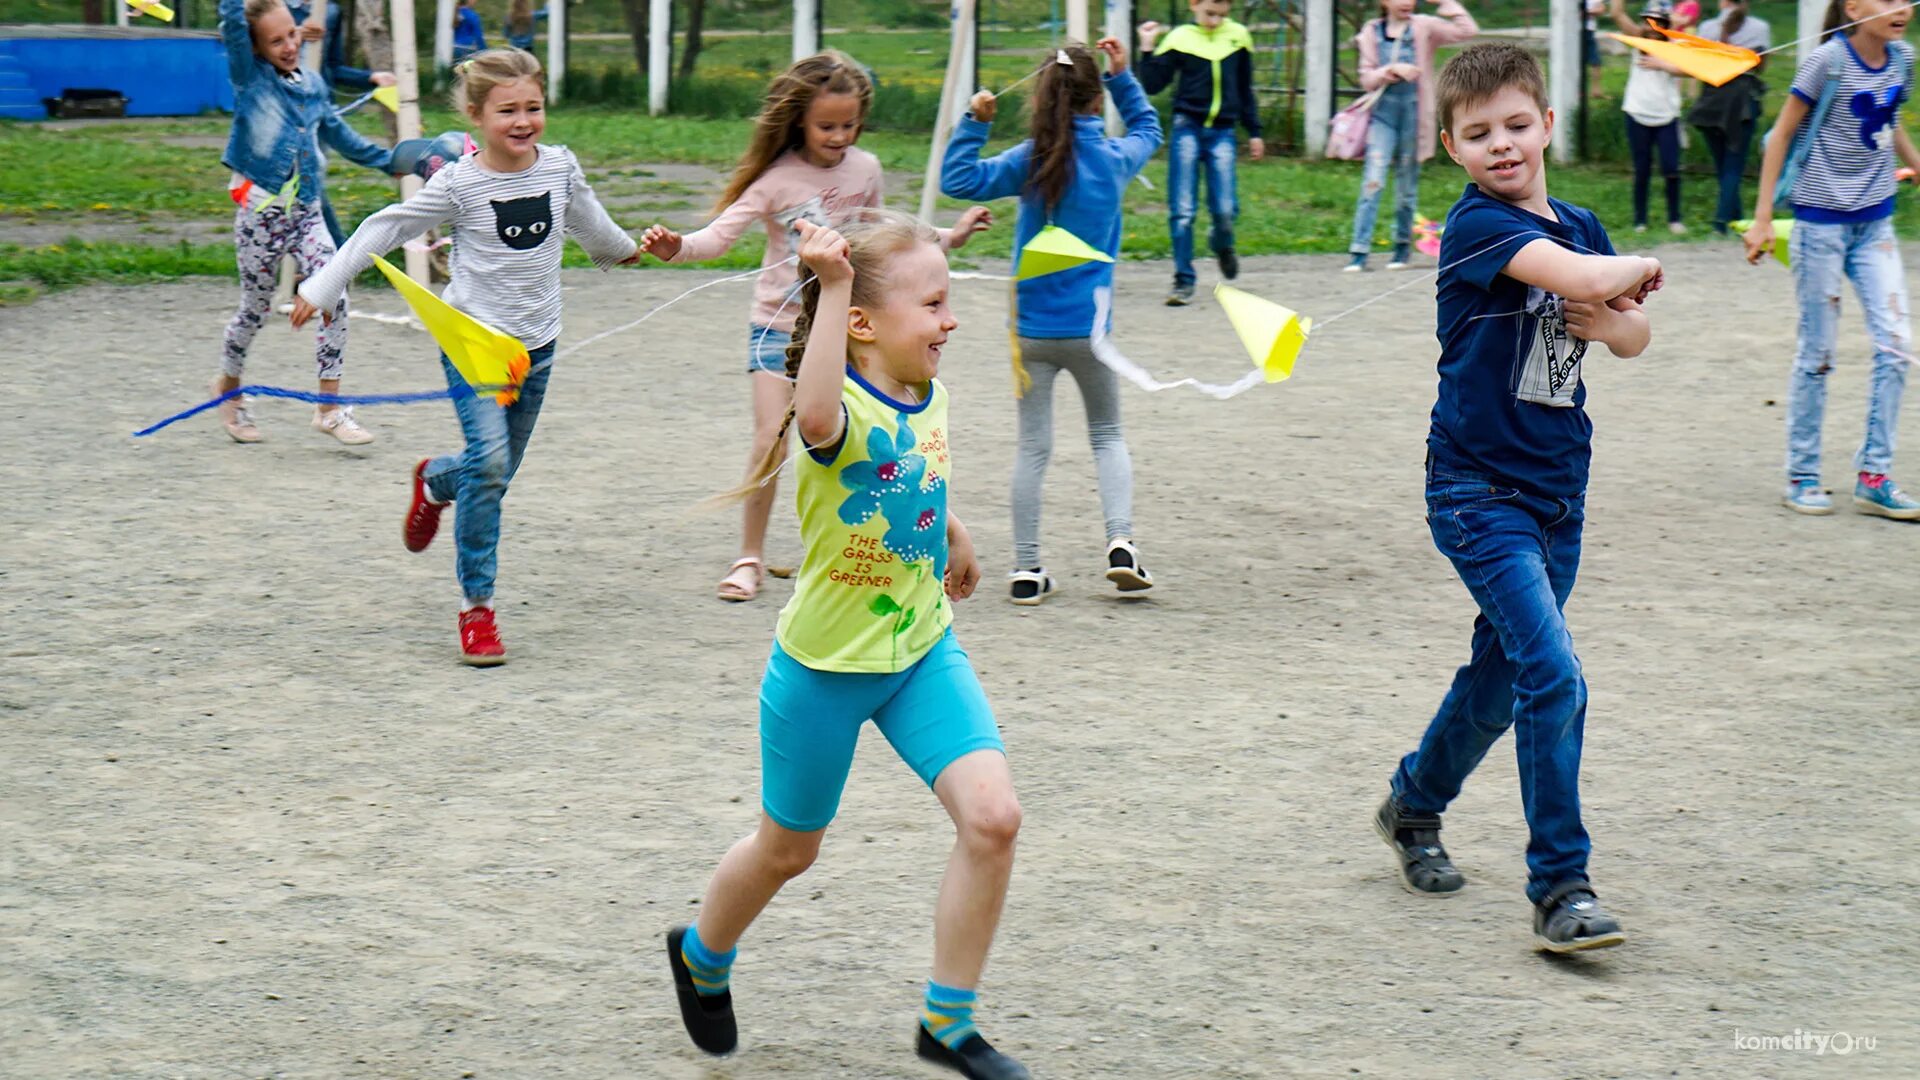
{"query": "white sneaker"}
[(237, 418), (1677, 228), (340, 424)]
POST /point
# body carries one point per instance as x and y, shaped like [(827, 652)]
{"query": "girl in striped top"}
[(1843, 202), (510, 205)]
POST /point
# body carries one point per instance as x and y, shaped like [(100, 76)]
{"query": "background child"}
[(469, 37), (1726, 115), (338, 75), (1843, 202), (1526, 282), (867, 634), (281, 115), (1396, 58), (510, 205), (1210, 61), (1071, 175), (802, 165), (1651, 106)]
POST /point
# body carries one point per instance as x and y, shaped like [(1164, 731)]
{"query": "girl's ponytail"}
[(1836, 17), (1066, 90)]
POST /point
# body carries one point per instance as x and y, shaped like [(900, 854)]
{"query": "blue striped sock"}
[(949, 1014), (709, 969)]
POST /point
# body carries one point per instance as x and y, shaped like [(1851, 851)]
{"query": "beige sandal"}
[(739, 586)]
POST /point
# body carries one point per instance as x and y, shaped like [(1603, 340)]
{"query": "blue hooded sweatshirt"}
[(1060, 305)]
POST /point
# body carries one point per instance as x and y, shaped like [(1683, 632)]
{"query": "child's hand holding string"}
[(1149, 32), (983, 105), (660, 242), (825, 253), (303, 311), (1116, 54), (976, 219)]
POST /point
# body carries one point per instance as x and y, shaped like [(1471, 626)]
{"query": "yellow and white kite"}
[(487, 358), (1273, 335), (152, 7), (1712, 62), (1054, 249)]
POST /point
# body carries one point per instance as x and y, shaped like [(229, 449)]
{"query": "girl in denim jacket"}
[(281, 113)]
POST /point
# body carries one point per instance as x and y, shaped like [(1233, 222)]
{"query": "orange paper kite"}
[(1712, 62)]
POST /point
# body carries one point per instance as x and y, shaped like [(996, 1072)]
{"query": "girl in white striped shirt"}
[(511, 204)]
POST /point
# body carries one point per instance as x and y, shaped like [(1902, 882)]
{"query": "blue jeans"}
[(1518, 554), (1729, 153), (476, 478), (1393, 140), (1641, 143), (1865, 253), (1195, 148)]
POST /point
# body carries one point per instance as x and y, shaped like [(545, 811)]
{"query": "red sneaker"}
[(423, 516), (480, 639)]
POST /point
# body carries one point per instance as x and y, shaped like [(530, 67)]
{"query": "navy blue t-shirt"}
[(1510, 403)]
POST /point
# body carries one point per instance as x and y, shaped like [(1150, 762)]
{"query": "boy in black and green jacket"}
[(1210, 61)]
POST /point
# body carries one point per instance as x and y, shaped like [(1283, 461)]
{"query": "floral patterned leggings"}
[(261, 238)]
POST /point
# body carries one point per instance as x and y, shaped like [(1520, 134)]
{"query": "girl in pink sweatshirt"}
[(801, 166)]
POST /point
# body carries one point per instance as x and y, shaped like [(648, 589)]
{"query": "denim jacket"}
[(277, 124)]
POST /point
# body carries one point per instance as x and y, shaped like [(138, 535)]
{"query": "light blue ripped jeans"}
[(1393, 141), (1865, 253)]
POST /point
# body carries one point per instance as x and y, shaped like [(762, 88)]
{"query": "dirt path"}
[(256, 821)]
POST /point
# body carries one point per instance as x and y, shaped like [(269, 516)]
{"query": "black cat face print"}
[(523, 224)]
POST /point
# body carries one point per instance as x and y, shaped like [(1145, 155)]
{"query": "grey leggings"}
[(1100, 390)]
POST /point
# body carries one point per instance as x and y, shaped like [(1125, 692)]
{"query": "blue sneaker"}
[(1805, 497), (1875, 493)]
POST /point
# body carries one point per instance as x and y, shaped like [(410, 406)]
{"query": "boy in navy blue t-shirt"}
[(1526, 284)]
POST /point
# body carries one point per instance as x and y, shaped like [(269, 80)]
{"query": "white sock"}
[(470, 604)]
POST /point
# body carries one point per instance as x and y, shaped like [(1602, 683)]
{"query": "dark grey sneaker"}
[(1425, 869), (1229, 263), (1181, 295), (1571, 919)]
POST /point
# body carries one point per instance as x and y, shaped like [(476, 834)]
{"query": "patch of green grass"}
[(77, 262)]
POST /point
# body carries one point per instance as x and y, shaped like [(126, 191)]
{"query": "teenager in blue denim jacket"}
[(281, 115)]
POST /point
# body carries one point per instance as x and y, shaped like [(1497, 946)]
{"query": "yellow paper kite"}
[(1054, 249), (388, 96), (1782, 238), (152, 7), (1273, 335), (1712, 62), (485, 357)]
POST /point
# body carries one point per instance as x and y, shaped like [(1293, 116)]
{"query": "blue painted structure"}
[(160, 71)]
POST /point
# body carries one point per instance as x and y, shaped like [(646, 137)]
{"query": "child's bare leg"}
[(977, 790), (749, 875)]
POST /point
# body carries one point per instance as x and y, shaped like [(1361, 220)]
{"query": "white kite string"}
[(577, 346), (1825, 33)]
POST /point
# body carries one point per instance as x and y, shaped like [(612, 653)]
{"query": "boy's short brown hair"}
[(1478, 72)]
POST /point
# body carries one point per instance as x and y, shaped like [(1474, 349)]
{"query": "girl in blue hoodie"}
[(1068, 174)]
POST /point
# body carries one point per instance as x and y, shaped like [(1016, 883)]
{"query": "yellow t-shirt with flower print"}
[(870, 595)]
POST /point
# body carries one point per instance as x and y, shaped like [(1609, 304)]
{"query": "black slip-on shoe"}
[(709, 1020), (976, 1058)]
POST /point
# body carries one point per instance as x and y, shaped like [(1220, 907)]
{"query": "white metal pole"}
[(313, 55), (659, 54), (806, 28), (556, 48), (121, 16), (1564, 59), (406, 74), (1077, 20), (442, 37), (954, 92), (1813, 14), (1119, 24), (1320, 55)]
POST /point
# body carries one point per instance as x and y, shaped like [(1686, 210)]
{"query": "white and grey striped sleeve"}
[(590, 224), (432, 206)]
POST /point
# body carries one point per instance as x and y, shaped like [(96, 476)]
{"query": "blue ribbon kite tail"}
[(316, 398)]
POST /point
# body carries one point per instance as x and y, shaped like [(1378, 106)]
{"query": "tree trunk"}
[(637, 24), (696, 20), (370, 33), (93, 12)]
